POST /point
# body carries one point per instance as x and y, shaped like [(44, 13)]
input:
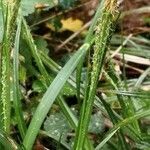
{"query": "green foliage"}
[(1, 24), (40, 97), (52, 93), (57, 127), (7, 42), (15, 84)]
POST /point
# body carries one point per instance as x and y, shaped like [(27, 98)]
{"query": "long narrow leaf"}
[(73, 121), (16, 93), (89, 39), (50, 95), (10, 11), (121, 124), (29, 39)]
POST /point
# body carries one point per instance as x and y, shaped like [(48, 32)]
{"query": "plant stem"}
[(15, 83), (102, 36), (10, 10)]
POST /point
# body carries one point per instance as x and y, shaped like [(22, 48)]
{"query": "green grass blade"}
[(10, 11), (89, 39), (5, 80), (16, 93), (122, 124), (115, 120), (106, 139), (73, 121), (53, 66), (49, 97), (29, 39), (126, 103)]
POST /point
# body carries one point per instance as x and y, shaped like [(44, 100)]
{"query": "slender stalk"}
[(122, 143), (16, 92), (88, 39), (73, 121), (126, 103), (102, 36), (10, 10), (29, 39), (123, 123)]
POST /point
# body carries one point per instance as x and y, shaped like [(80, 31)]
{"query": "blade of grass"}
[(128, 93), (5, 80), (29, 39), (123, 144), (10, 11), (49, 97), (106, 139), (130, 108), (65, 109), (122, 124), (117, 118), (125, 102), (73, 121), (53, 66), (15, 84), (89, 39)]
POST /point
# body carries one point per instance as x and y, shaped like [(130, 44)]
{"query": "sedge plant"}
[(97, 39), (103, 31)]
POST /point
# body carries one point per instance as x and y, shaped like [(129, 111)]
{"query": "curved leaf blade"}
[(50, 95)]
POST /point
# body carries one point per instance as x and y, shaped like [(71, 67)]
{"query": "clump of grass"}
[(98, 38)]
